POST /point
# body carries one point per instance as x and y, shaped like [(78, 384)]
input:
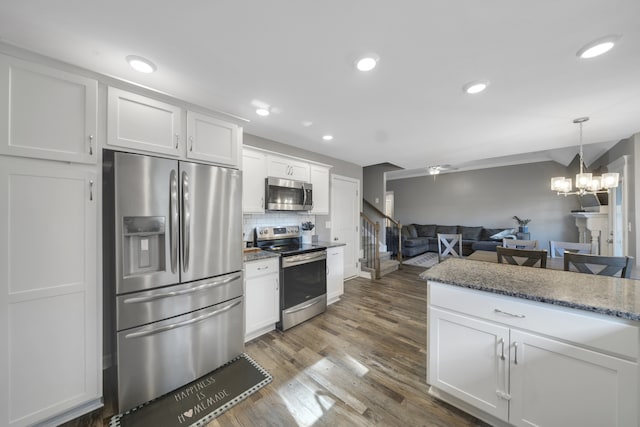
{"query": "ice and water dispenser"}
[(143, 245)]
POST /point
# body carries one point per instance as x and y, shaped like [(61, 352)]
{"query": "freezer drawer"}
[(145, 307), (158, 358)]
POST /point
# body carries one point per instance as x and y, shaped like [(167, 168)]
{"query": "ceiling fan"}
[(436, 169)]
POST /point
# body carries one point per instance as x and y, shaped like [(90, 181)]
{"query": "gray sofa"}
[(418, 238)]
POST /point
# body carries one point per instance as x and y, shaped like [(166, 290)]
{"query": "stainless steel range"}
[(303, 274)]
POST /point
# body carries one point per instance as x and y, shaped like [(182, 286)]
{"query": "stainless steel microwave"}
[(288, 195)]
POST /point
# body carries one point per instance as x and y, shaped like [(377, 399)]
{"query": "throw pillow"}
[(409, 231), (504, 234), (470, 233), (426, 230)]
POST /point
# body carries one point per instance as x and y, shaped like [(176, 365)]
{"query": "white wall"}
[(490, 197)]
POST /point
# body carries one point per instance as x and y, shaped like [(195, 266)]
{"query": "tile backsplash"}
[(251, 221)]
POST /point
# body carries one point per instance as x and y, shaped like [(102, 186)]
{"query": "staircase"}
[(376, 260)]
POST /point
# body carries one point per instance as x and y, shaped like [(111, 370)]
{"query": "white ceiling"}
[(297, 57)]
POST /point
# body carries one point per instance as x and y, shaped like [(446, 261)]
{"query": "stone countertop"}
[(600, 294), (259, 255), (329, 244)]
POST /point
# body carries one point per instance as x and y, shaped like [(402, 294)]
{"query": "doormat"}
[(200, 401), (425, 260)]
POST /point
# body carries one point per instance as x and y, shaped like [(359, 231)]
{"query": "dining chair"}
[(557, 249), (523, 257), (449, 245), (520, 244), (611, 265)]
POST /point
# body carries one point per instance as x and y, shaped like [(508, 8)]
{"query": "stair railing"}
[(393, 232), (370, 234)]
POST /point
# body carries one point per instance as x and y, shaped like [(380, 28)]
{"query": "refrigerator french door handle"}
[(186, 221), (181, 324), (173, 223)]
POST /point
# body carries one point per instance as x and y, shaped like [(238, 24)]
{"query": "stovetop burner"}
[(283, 240)]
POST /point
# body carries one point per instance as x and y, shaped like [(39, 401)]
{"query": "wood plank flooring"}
[(361, 363)]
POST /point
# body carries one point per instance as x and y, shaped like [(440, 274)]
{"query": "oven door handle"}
[(182, 324), (303, 259), (304, 307)]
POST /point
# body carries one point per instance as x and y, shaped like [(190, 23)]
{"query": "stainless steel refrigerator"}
[(173, 260)]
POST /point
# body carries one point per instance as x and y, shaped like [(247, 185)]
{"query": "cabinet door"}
[(320, 182), (558, 384), (46, 113), (465, 360), (212, 140), (254, 172), (283, 167), (335, 274), (50, 332), (142, 123), (262, 297)]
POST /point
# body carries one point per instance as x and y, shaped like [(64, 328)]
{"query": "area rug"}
[(425, 260), (200, 401)]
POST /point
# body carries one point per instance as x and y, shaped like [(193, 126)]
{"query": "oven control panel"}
[(270, 233)]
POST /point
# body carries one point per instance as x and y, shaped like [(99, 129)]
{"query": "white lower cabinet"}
[(50, 362), (508, 368), (335, 273), (262, 296)]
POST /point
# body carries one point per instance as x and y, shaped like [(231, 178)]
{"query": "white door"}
[(617, 239), (468, 358), (558, 384), (345, 214)]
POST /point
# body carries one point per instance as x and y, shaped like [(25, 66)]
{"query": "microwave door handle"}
[(304, 196), (186, 221), (173, 223)]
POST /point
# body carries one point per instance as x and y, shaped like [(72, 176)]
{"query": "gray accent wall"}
[(490, 197), (339, 167)]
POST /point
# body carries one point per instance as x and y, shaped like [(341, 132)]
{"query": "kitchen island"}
[(527, 346)]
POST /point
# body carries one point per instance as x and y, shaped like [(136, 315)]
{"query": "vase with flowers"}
[(522, 224), (307, 232)]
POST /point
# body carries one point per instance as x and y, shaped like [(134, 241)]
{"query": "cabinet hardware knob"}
[(515, 353), (177, 140), (91, 190), (91, 145), (191, 143), (502, 348)]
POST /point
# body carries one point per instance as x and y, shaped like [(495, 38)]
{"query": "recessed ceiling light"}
[(262, 112), (367, 63), (597, 47), (327, 137), (141, 64), (475, 87)]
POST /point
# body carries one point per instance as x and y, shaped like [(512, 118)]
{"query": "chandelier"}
[(586, 183)]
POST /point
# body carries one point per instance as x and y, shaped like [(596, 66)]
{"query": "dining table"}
[(491, 256)]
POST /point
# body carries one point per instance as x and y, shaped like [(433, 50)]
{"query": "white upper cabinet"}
[(320, 182), (254, 172), (212, 140), (142, 123), (284, 167), (47, 113)]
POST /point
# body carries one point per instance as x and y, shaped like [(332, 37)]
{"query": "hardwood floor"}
[(361, 363)]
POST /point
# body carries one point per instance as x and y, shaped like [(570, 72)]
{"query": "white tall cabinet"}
[(50, 308), (254, 172)]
